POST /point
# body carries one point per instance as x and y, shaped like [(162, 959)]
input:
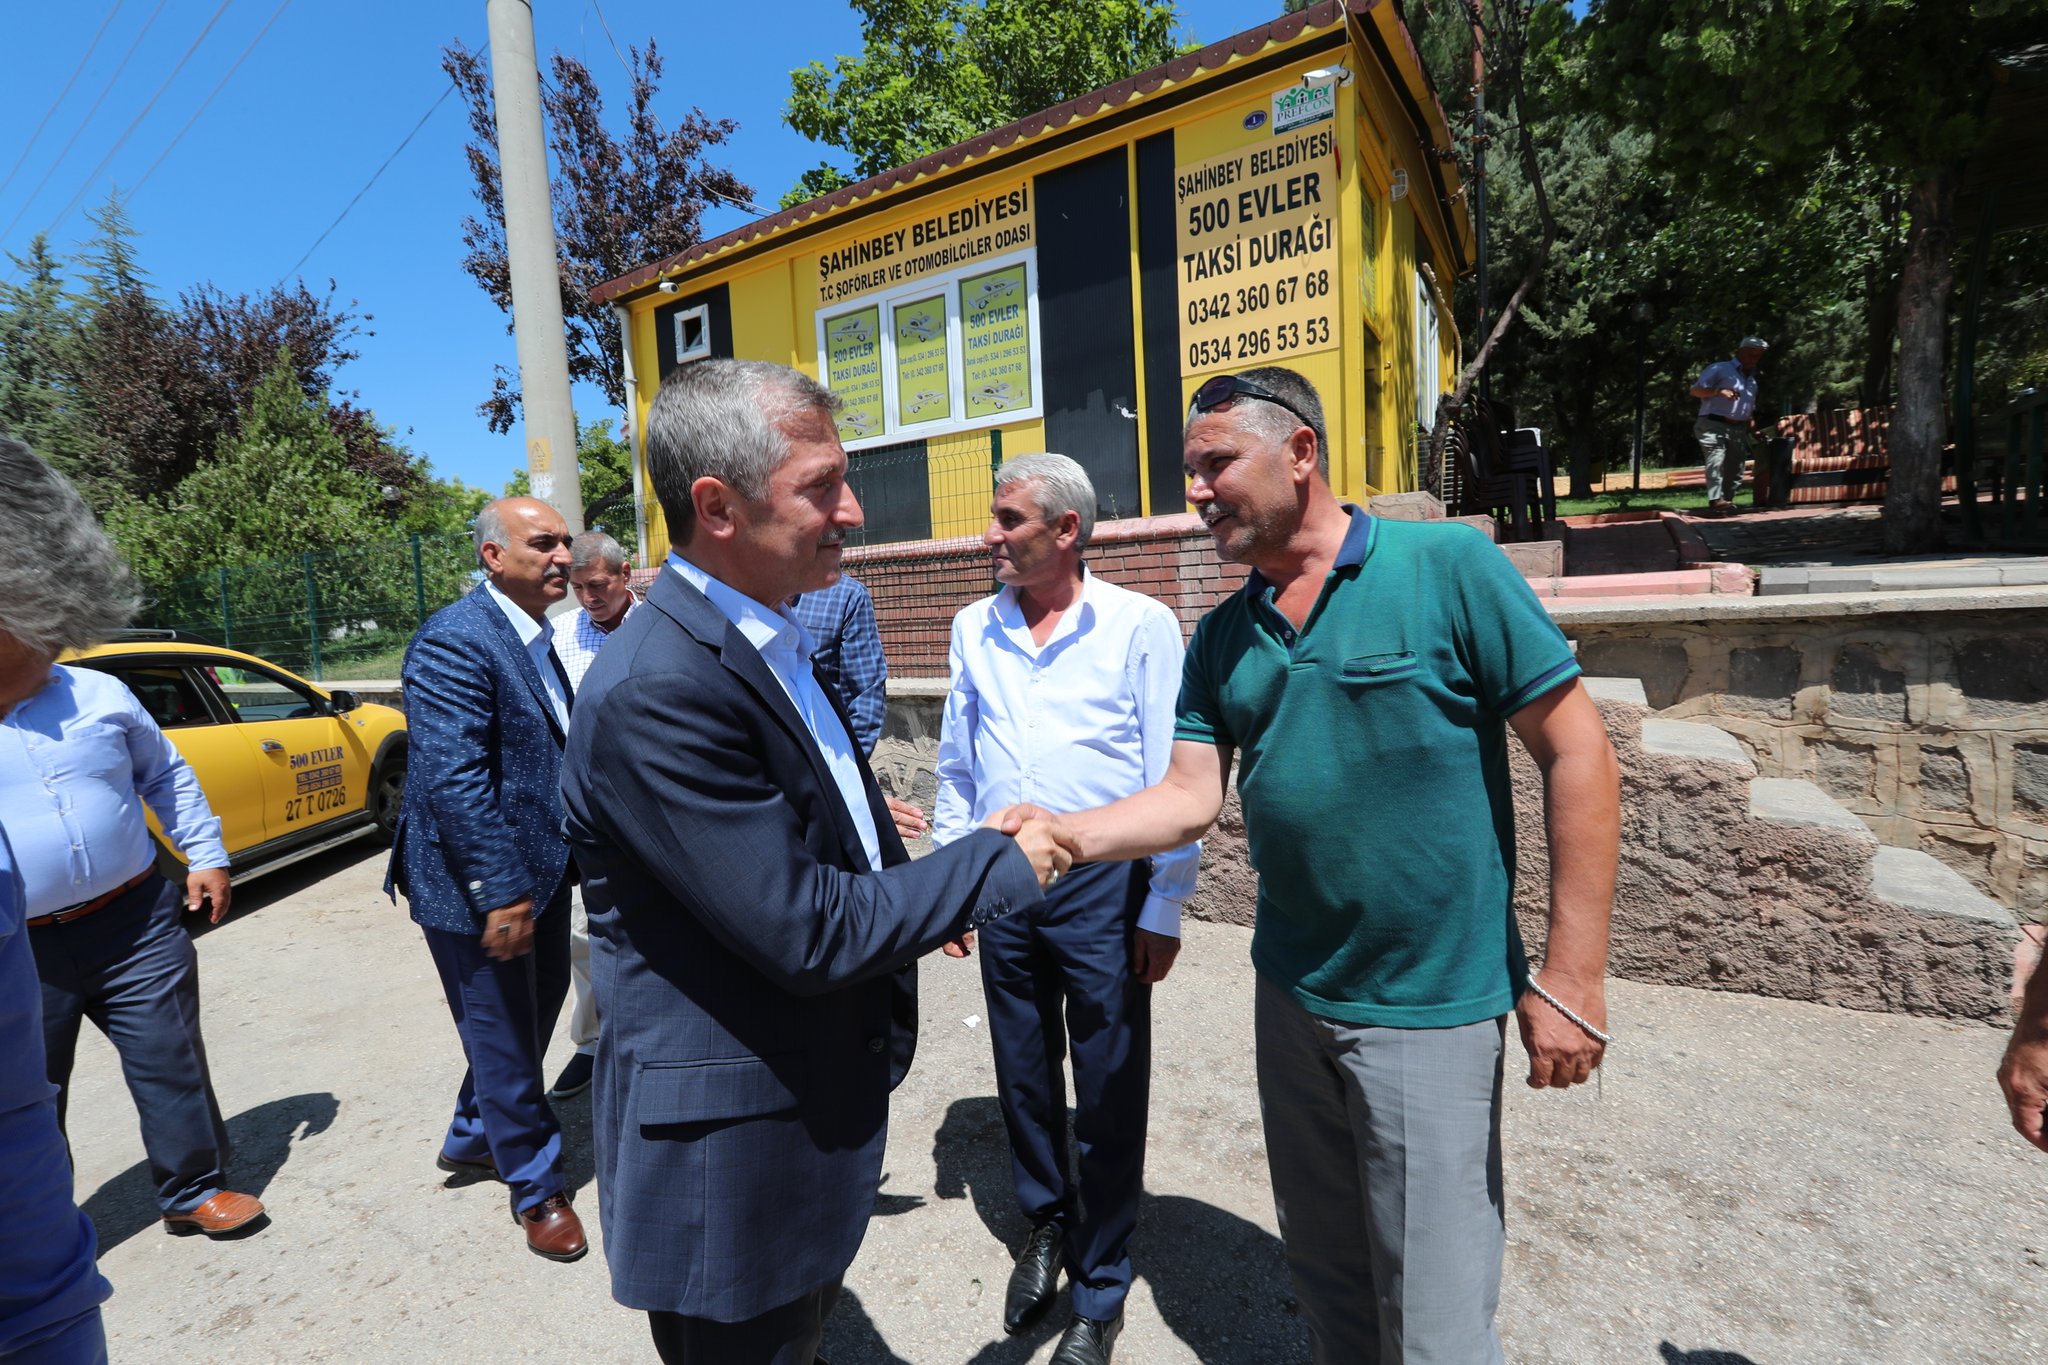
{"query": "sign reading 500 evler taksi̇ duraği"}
[(853, 370), (985, 226), (996, 336), (1257, 232)]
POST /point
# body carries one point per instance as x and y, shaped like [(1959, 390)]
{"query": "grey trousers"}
[(1724, 450), (1384, 1147)]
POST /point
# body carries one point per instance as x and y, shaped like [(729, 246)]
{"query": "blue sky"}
[(329, 92)]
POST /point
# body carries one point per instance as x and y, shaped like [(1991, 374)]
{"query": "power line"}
[(275, 15), (51, 112), (136, 122), (105, 90), (372, 180), (608, 37)]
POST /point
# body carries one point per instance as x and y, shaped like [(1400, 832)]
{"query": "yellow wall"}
[(1367, 381)]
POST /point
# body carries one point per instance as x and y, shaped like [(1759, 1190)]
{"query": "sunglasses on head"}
[(1225, 388)]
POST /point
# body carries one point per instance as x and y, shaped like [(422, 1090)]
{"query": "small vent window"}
[(692, 333)]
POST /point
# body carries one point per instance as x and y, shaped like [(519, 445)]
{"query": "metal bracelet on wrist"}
[(1567, 1011)]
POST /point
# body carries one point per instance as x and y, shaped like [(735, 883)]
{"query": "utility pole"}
[(530, 252)]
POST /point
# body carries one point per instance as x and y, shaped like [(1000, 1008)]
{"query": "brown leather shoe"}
[(224, 1213), (553, 1230)]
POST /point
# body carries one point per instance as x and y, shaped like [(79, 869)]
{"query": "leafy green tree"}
[(620, 201), (1747, 102), (932, 73), (40, 365), (279, 487), (604, 470)]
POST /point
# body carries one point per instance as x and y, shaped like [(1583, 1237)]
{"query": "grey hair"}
[(490, 528), (722, 419), (76, 589), (1274, 423), (1063, 487), (595, 547)]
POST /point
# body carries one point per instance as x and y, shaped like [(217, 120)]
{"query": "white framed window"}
[(692, 329), (952, 352)]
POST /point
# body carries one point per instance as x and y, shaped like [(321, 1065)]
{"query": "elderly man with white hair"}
[(1063, 696)]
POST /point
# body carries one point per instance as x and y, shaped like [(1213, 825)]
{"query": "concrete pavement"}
[(1758, 1181)]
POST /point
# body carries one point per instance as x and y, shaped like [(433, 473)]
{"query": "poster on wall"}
[(995, 309), (924, 382), (1257, 236), (853, 370)]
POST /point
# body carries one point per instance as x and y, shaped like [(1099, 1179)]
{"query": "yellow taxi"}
[(291, 768)]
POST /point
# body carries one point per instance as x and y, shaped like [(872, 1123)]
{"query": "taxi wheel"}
[(387, 796)]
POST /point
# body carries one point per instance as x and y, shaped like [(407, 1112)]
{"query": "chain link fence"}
[(328, 614)]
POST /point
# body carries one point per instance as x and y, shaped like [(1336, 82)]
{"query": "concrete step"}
[(1407, 507), (1481, 523), (1790, 801), (1536, 558), (1919, 881), (1689, 739), (1628, 690)]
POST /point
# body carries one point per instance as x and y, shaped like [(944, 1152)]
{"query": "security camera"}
[(669, 287), (1326, 76)]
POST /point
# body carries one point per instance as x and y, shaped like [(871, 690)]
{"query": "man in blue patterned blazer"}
[(480, 855), (753, 916)]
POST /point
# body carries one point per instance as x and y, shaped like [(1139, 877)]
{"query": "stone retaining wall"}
[(1929, 722)]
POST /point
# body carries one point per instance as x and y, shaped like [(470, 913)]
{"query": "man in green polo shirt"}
[(1364, 680)]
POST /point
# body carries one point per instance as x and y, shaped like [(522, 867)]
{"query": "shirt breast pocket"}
[(1367, 670)]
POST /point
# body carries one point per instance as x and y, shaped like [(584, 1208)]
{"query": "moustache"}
[(554, 573)]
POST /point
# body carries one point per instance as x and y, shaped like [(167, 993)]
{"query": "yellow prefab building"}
[(1286, 196)]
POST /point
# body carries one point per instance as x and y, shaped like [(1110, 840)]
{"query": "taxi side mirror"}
[(343, 702)]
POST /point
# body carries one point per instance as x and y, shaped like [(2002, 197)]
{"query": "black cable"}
[(51, 112), (372, 180), (275, 15)]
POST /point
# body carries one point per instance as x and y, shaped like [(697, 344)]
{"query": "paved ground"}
[(1760, 1182)]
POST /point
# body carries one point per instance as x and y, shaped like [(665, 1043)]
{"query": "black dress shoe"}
[(575, 1077), (1087, 1341), (1036, 1279), (486, 1169)]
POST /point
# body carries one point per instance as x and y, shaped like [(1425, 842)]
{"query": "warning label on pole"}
[(1257, 232)]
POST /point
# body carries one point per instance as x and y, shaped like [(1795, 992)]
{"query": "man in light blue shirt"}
[(79, 761), (1063, 695), (1727, 393)]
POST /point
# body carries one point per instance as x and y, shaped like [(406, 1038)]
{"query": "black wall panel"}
[(1088, 353), (1159, 310), (717, 303)]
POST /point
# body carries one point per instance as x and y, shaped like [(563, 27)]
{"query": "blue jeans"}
[(130, 968)]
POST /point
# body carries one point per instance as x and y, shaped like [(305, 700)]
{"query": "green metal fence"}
[(329, 614)]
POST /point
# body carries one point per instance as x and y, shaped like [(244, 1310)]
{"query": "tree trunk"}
[(1919, 428), (1881, 307), (1581, 443)]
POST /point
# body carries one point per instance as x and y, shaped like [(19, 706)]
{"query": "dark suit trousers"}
[(788, 1335), (130, 968), (1059, 976), (505, 1012)]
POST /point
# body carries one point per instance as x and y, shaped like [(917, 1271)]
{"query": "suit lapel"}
[(689, 608), (522, 660)]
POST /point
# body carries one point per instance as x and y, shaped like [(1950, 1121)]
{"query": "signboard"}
[(1257, 232), (853, 370), (996, 341), (990, 224), (924, 383), (1300, 105)]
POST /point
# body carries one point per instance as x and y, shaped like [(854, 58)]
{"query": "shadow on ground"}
[(288, 881), (1218, 1281), (1671, 1355), (261, 1140)]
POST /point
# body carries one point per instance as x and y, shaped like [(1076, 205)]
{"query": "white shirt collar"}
[(528, 628), (1008, 614), (765, 630)]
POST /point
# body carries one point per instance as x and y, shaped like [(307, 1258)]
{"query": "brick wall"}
[(918, 586)]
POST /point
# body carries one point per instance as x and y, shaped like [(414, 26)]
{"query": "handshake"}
[(1046, 838)]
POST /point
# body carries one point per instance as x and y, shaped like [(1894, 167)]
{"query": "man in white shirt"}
[(1063, 696), (597, 575), (1726, 391)]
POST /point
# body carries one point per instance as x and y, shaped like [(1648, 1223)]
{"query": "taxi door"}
[(220, 755), (314, 765)]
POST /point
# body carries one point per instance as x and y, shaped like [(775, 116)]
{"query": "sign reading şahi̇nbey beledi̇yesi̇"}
[(1257, 232), (989, 224)]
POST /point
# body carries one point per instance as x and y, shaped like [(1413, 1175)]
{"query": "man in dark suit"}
[(753, 916), (480, 855)]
